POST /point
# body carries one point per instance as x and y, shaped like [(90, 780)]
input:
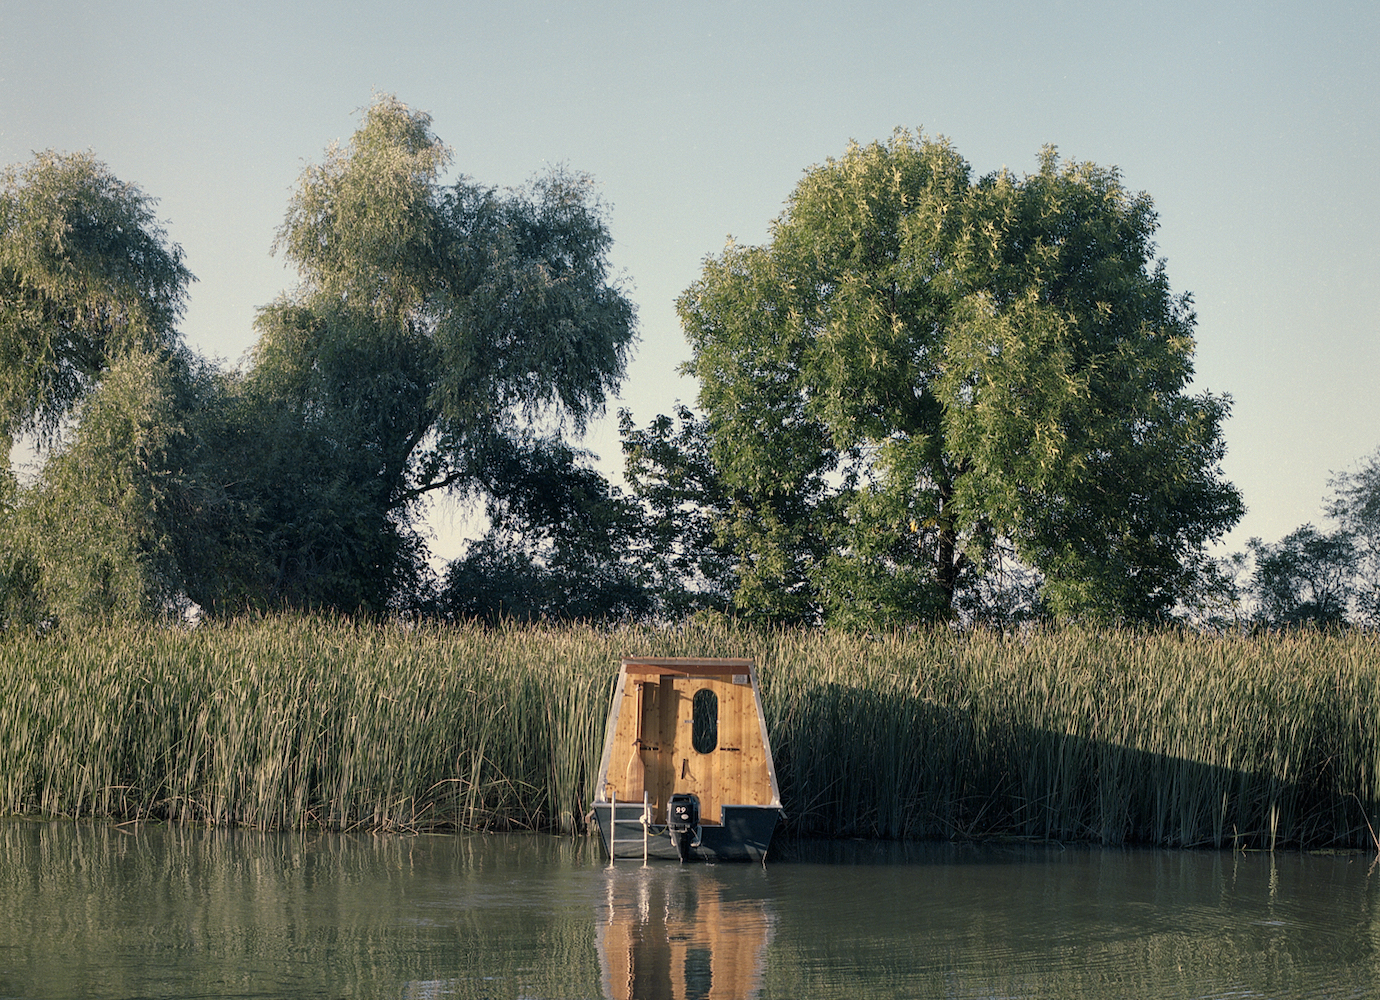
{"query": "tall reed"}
[(296, 722), (1113, 737)]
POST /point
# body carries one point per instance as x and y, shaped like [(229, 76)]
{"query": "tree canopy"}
[(1355, 504), (1315, 577), (1305, 578), (563, 544), (92, 367), (87, 275), (436, 328), (927, 396), (433, 326), (923, 377)]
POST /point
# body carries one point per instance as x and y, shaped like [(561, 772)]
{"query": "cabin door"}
[(680, 739)]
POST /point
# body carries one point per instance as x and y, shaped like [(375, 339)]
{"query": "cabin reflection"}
[(673, 934)]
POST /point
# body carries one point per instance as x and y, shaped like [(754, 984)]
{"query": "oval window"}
[(705, 735)]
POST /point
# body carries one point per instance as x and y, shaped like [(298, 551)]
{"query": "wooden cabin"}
[(681, 727)]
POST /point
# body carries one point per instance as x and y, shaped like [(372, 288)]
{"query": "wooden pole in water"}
[(634, 784)]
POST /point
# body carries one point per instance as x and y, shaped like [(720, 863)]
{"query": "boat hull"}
[(744, 834)]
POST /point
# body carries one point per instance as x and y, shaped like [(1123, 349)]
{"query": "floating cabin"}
[(687, 770)]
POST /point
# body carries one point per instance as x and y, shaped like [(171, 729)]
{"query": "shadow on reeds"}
[(857, 762)]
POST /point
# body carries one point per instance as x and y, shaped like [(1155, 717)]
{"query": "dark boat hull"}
[(744, 834)]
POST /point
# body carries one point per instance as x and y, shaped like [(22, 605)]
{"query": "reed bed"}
[(1111, 737), (299, 722)]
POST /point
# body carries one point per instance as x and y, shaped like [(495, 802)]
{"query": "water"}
[(103, 911)]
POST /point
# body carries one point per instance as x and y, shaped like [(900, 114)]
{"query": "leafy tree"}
[(86, 276), (1321, 578), (433, 327), (18, 576), (921, 371), (1216, 598), (120, 522), (1304, 579), (669, 468), (1355, 504), (90, 293), (315, 441), (563, 544)]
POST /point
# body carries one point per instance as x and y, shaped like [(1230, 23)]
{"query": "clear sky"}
[(1254, 126)]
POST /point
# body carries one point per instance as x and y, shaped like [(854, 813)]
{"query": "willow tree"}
[(92, 368), (434, 327), (1355, 504), (87, 276), (924, 378)]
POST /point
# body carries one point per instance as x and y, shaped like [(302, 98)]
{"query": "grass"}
[(1110, 737)]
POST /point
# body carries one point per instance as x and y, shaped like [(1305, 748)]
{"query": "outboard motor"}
[(683, 822)]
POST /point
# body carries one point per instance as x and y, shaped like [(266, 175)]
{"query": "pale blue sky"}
[(1255, 128)]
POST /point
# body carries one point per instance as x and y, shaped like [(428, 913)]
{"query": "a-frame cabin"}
[(681, 728)]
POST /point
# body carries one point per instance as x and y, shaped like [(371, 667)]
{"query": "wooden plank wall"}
[(734, 772)]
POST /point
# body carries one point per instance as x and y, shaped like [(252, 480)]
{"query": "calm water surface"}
[(100, 911)]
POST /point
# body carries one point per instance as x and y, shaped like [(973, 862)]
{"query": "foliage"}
[(125, 521), (509, 292), (1325, 578), (1304, 578), (315, 439), (97, 526), (87, 275), (920, 371), (670, 470), (432, 327), (17, 573), (1355, 504), (927, 397), (1216, 600), (562, 545), (128, 514)]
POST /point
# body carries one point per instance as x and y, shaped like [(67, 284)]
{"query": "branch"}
[(406, 496)]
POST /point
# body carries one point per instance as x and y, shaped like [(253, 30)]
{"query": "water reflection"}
[(101, 912), (927, 920), (682, 933)]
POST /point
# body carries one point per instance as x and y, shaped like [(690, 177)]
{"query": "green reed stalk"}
[(1110, 737), (1113, 737)]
